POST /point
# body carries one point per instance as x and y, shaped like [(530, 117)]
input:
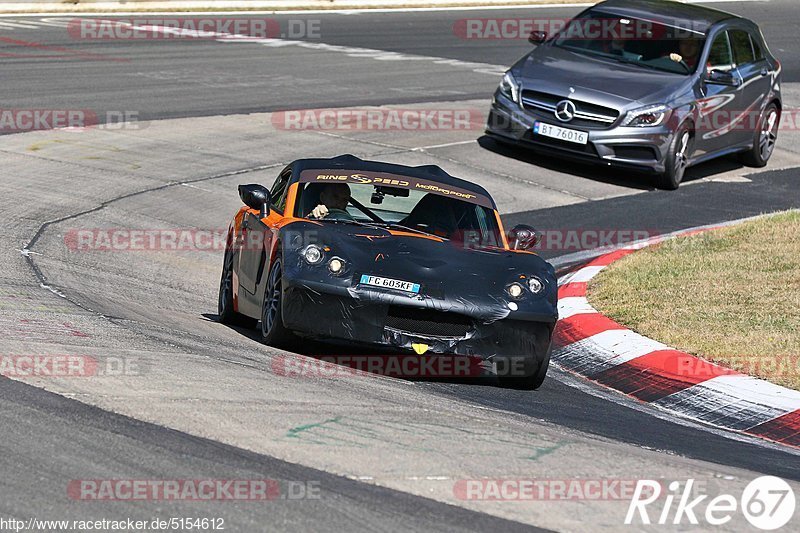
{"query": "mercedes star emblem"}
[(565, 110)]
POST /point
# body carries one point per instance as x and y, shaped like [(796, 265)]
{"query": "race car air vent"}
[(428, 322)]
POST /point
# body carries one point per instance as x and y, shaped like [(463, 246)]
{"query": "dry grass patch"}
[(730, 295)]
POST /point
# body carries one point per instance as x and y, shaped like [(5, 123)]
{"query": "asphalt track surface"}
[(55, 439), (91, 438), (169, 78)]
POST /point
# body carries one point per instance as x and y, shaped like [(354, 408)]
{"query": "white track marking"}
[(585, 274), (755, 390), (608, 349), (369, 53), (731, 401), (736, 402), (445, 145), (57, 23), (17, 24), (351, 51), (574, 305)]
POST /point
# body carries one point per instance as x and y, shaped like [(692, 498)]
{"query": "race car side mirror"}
[(256, 197), (537, 37), (523, 237)]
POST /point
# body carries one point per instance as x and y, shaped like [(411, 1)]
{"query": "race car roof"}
[(431, 173), (667, 12)]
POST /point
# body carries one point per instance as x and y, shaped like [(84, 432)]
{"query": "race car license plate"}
[(557, 132), (388, 283)]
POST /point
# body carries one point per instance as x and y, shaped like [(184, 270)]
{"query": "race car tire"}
[(225, 309), (764, 139), (680, 149), (528, 382), (273, 331)]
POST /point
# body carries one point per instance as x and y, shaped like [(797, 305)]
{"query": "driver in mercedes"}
[(333, 198), (688, 52)]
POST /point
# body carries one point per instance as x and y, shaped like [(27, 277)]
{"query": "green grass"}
[(730, 295)]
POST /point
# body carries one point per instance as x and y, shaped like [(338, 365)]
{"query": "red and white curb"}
[(592, 345)]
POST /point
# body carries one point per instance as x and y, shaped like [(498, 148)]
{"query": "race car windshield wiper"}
[(344, 221), (382, 225)]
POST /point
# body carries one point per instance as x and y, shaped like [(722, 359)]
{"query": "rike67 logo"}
[(767, 502)]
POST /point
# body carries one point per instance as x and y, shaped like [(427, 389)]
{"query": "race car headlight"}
[(535, 285), (515, 290), (312, 254), (646, 116), (336, 265), (509, 87)]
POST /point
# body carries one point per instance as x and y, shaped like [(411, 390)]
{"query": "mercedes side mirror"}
[(722, 77), (523, 237), (537, 37), (256, 197)]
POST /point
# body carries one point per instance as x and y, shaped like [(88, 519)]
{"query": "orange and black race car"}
[(408, 258)]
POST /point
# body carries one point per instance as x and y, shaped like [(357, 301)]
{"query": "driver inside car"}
[(688, 52), (333, 198)]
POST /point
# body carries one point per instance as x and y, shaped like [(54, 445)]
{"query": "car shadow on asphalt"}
[(629, 178)]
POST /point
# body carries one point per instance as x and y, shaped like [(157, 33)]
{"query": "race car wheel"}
[(765, 137), (677, 160), (273, 332), (531, 381), (225, 302)]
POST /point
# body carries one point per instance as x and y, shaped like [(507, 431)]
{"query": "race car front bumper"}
[(399, 322)]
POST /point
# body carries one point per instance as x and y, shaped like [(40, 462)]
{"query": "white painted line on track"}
[(445, 145), (18, 24), (379, 55)]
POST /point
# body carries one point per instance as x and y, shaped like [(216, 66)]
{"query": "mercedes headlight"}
[(509, 87), (646, 116)]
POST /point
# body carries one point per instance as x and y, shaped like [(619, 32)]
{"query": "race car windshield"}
[(642, 43), (419, 211)]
